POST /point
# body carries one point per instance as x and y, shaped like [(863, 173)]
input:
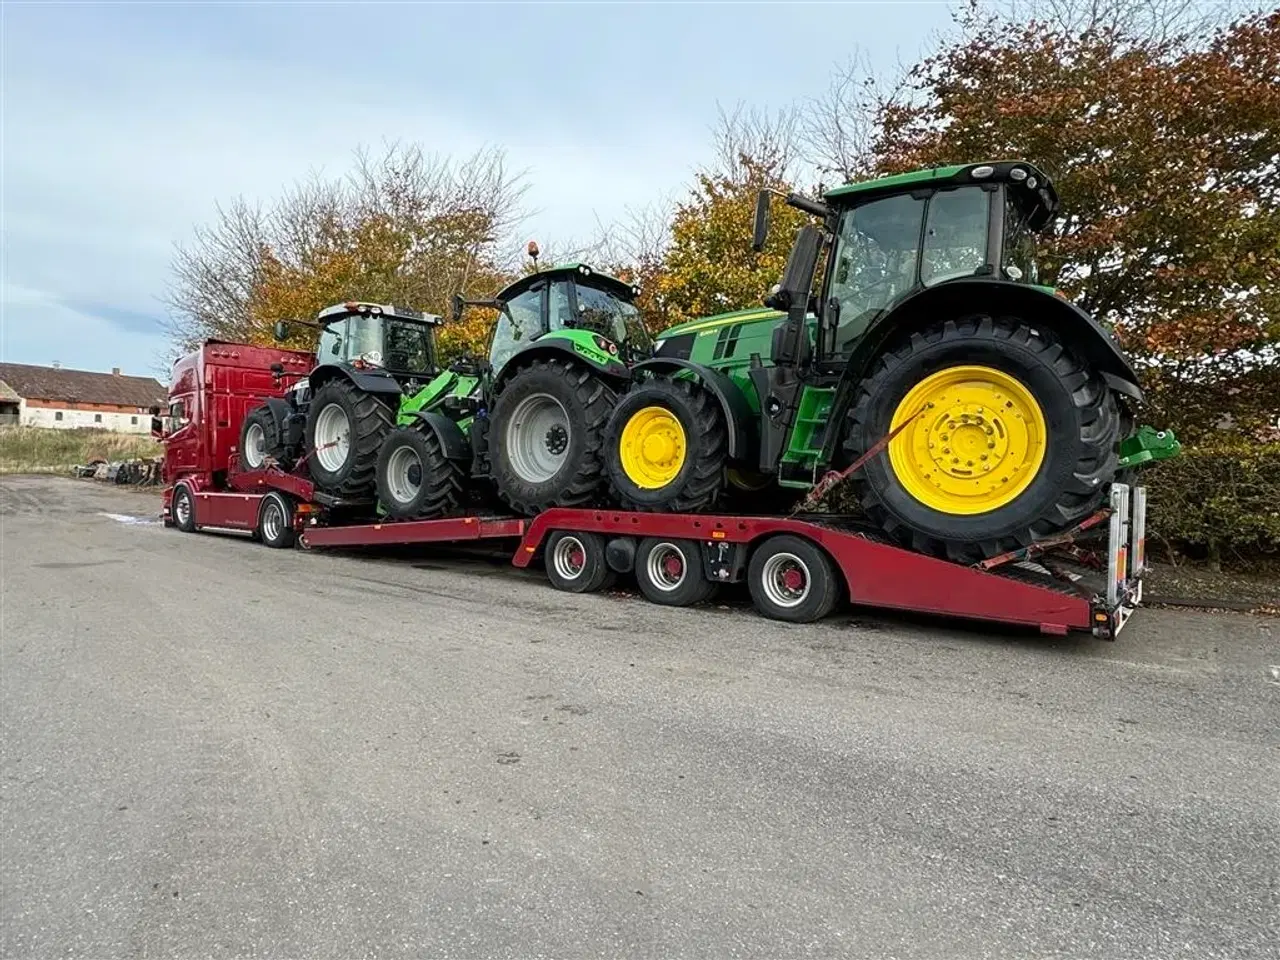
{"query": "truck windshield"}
[(612, 317)]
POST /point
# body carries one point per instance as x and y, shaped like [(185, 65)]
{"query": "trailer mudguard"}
[(452, 440), (583, 346), (370, 381), (737, 412)]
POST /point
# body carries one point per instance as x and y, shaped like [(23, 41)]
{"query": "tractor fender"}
[(452, 440), (375, 382), (557, 348), (280, 410), (968, 295), (737, 412)]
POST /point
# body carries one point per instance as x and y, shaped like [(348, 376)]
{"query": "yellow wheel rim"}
[(978, 444), (652, 447)]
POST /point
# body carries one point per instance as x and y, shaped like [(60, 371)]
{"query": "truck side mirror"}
[(280, 331), (157, 428), (760, 231), (457, 305)]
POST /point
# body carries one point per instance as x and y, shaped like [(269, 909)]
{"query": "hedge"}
[(1217, 502)]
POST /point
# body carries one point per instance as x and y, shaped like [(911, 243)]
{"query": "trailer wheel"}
[(790, 579), (184, 510), (576, 562), (275, 522), (669, 572)]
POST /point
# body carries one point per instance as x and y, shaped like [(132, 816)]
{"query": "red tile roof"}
[(54, 383)]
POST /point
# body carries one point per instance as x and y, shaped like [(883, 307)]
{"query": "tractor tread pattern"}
[(707, 480), (1095, 467), (595, 399), (373, 421), (443, 482)]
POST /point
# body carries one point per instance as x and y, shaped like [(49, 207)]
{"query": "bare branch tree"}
[(1157, 20)]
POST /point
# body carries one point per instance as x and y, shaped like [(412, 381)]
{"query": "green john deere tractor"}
[(1012, 402), (529, 420)]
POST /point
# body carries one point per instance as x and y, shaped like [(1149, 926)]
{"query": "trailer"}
[(797, 568)]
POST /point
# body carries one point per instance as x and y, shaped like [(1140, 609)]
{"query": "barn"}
[(56, 397)]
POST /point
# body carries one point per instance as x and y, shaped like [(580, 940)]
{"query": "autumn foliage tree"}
[(1166, 153), (405, 228)]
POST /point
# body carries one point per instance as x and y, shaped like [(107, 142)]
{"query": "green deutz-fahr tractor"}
[(378, 416), (1012, 401)]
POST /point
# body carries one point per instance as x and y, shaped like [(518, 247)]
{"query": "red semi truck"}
[(676, 559)]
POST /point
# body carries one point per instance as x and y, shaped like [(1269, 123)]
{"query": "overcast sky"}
[(124, 124)]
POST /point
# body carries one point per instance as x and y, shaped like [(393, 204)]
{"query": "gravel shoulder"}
[(210, 748)]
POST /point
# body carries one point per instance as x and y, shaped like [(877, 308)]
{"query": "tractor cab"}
[(370, 336), (895, 237), (570, 296)]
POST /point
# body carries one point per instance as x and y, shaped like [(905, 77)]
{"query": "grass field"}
[(47, 450)]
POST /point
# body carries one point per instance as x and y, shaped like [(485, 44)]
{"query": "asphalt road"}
[(214, 749)]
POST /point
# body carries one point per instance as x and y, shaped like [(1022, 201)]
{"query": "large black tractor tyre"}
[(416, 481), (666, 447), (1081, 424), (344, 432), (259, 439), (546, 436)]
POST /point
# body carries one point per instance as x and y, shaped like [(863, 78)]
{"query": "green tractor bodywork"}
[(570, 331), (926, 272)]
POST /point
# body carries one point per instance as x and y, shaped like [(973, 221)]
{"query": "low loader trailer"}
[(797, 568)]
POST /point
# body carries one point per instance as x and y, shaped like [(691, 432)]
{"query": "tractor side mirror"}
[(280, 331), (277, 371), (760, 231), (457, 305), (797, 279)]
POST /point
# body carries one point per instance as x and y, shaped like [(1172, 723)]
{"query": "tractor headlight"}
[(1017, 173)]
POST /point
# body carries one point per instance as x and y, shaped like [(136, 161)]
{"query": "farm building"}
[(54, 397)]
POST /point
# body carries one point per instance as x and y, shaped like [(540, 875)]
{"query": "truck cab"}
[(211, 390)]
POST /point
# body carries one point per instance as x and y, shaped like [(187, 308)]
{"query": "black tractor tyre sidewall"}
[(825, 584), (1007, 526), (369, 418), (701, 479), (270, 439), (586, 400), (441, 486)]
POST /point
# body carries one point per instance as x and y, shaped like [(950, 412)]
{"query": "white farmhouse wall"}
[(118, 422)]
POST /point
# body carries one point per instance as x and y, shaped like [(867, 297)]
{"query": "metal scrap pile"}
[(141, 473)]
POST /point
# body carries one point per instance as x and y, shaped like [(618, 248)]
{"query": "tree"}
[(404, 227), (1166, 153), (708, 266)]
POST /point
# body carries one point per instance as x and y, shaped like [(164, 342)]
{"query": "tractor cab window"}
[(876, 253), (519, 323), (560, 314), (607, 315), (330, 345), (408, 347), (364, 338), (1019, 260), (955, 234)]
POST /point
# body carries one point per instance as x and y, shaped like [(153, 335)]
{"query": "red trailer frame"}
[(873, 573)]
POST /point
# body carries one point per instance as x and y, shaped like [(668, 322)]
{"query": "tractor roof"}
[(1034, 193), (584, 273), (338, 311)]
